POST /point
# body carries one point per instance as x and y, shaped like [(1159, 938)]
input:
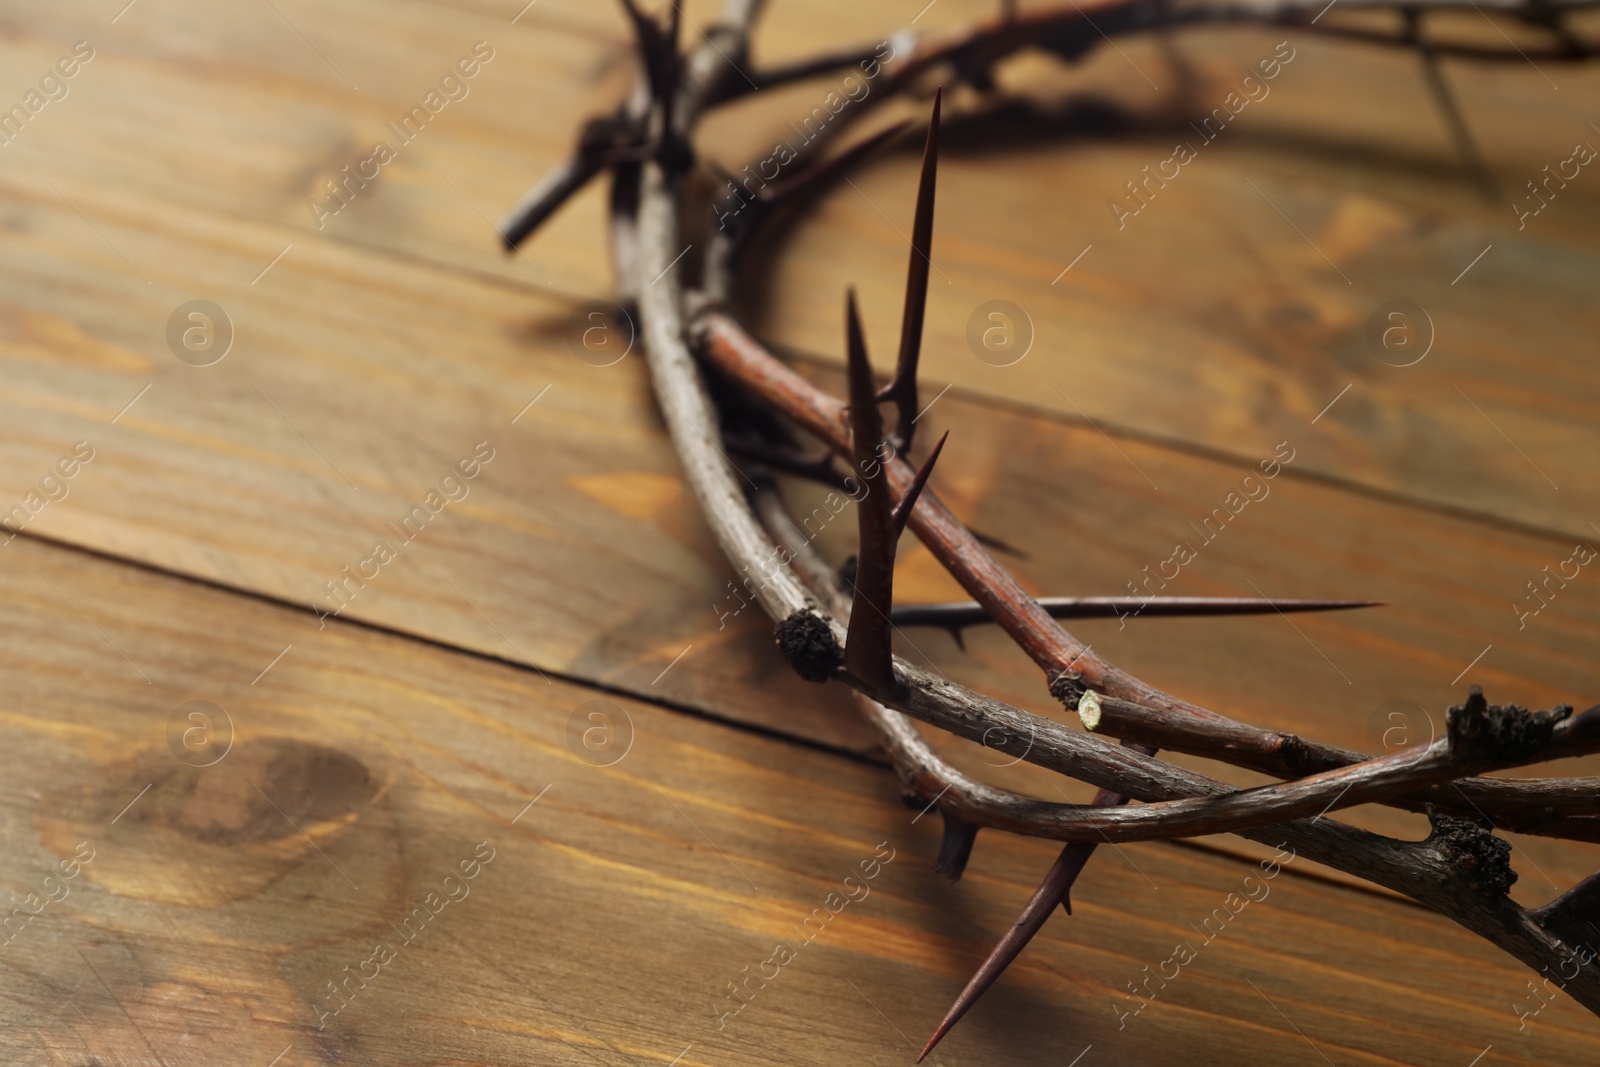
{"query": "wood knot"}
[(1478, 729), (258, 790), (807, 642), (1481, 859)]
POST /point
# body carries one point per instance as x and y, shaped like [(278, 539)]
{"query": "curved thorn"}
[(903, 389), (902, 510)]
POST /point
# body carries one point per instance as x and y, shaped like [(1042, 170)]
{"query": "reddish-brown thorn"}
[(869, 651), (970, 613), (903, 388), (902, 510), (1054, 889)]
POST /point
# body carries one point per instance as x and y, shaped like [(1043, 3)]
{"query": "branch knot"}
[(807, 642), (1482, 859), (1068, 688), (1478, 729)]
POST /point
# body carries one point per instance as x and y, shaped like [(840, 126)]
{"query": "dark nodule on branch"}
[(806, 641), (1478, 729), (1069, 689), (1482, 859)]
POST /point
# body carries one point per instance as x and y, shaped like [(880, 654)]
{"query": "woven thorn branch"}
[(834, 627)]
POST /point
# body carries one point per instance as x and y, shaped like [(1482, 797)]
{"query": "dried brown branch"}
[(1462, 870), (1152, 717)]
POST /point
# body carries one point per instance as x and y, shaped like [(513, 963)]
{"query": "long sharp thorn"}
[(820, 174), (903, 389), (902, 510), (1055, 888), (673, 21), (647, 37), (868, 649), (866, 425), (969, 613), (670, 62)]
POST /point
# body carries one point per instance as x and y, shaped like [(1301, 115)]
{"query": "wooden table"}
[(521, 799)]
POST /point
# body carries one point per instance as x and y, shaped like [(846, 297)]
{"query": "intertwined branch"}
[(838, 627)]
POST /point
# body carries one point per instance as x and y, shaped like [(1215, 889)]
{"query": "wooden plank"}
[(253, 113), (577, 548), (1236, 305), (215, 913), (574, 546), (1492, 420)]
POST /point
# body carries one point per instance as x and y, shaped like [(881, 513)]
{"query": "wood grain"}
[(578, 551), (373, 355), (1235, 306), (1265, 334), (221, 901)]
